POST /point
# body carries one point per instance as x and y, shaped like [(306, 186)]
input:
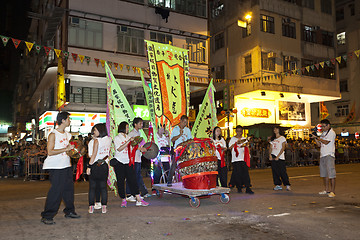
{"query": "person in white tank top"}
[(60, 171), (99, 169)]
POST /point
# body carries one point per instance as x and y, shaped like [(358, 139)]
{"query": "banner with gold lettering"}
[(61, 98), (169, 71), (206, 119)]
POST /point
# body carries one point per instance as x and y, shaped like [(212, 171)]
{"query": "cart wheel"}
[(224, 198), (194, 202), (159, 193)]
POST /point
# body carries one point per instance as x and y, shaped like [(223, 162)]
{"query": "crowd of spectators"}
[(25, 159)]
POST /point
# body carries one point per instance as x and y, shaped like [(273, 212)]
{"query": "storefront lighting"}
[(248, 17)]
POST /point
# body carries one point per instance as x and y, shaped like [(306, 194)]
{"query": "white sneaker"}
[(91, 209), (288, 188), (97, 205), (331, 195), (142, 203), (323, 192), (104, 209), (131, 199)]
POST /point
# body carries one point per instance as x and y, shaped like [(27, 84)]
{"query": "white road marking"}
[(279, 215), (318, 175)]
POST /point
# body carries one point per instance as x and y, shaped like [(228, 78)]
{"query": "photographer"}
[(326, 142)]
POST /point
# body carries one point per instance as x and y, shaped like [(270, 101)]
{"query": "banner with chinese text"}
[(169, 71), (61, 98), (206, 119)]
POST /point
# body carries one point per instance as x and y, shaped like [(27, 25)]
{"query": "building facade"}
[(114, 31), (348, 41), (266, 49)]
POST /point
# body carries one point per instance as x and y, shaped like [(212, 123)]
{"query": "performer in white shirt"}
[(277, 158), (220, 145), (240, 172), (99, 150), (164, 157), (60, 171)]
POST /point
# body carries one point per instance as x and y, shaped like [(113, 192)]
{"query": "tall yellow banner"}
[(169, 71), (61, 98)]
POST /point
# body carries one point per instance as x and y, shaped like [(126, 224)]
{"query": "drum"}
[(197, 163), (76, 151)]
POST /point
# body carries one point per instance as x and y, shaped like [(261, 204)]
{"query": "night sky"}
[(13, 23)]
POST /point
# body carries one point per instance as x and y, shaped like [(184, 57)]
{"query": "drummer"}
[(138, 125), (181, 133), (164, 157)]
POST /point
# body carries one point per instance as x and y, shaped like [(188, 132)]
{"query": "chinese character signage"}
[(169, 71), (255, 112), (142, 111), (61, 98)]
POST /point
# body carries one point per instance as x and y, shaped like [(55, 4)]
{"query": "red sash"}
[(79, 168), (131, 153), (247, 156), (236, 150), (222, 157)]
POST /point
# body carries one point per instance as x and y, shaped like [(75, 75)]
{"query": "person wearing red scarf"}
[(240, 153), (220, 145), (124, 167)]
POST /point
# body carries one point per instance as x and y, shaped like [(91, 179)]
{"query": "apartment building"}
[(265, 46)]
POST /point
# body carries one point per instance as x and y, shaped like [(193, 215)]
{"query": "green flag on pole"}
[(206, 119)]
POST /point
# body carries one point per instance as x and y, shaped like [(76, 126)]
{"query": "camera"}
[(314, 131)]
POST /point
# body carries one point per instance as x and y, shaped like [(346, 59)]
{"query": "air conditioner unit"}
[(74, 21), (271, 55)]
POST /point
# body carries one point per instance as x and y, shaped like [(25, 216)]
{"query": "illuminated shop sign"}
[(256, 112)]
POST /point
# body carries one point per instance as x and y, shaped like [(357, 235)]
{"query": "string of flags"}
[(38, 48), (88, 59)]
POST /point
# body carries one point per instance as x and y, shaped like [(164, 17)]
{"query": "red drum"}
[(197, 163)]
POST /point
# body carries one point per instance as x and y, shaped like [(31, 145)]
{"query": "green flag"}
[(150, 103), (206, 119)]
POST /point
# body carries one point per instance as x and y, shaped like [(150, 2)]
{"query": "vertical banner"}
[(206, 119), (226, 98), (118, 110), (169, 71), (61, 98), (323, 111), (150, 102)]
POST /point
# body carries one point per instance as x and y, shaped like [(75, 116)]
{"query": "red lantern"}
[(356, 135), (234, 111), (223, 112)]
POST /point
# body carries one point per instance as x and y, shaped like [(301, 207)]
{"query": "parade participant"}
[(164, 157), (98, 168), (240, 174), (326, 142), (97, 188), (60, 172), (180, 133), (277, 158), (138, 124), (124, 168), (220, 145)]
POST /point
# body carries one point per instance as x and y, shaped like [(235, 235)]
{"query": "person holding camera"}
[(326, 142)]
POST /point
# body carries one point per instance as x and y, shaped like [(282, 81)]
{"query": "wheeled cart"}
[(193, 194)]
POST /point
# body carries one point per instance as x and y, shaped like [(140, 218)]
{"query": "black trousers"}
[(97, 183), (62, 188), (222, 175), (240, 175), (172, 167), (158, 171), (124, 171), (279, 173)]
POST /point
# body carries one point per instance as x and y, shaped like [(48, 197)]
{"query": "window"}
[(328, 38), (352, 9), (219, 72), (130, 40), (247, 30), (289, 63), (288, 28), (326, 6), (341, 38), (88, 95), (342, 110), (160, 37), (339, 14), (217, 8), (191, 7), (308, 4), (267, 24), (248, 67), (267, 61), (344, 86), (197, 50), (219, 41), (85, 33), (309, 34)]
